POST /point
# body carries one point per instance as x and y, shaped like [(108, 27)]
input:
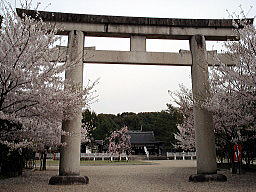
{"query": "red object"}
[(237, 153)]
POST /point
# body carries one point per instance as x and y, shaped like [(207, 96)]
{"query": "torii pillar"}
[(203, 120), (69, 169)]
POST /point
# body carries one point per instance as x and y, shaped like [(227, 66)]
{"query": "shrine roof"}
[(142, 137)]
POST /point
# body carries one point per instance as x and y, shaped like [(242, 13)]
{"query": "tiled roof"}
[(139, 137)]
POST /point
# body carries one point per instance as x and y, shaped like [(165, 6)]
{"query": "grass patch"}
[(114, 163), (98, 162)]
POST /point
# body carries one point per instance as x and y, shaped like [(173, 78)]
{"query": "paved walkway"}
[(166, 175)]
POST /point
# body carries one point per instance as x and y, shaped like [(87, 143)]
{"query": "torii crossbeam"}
[(183, 58)]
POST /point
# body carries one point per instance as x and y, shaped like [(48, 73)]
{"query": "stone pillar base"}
[(68, 180), (207, 177)]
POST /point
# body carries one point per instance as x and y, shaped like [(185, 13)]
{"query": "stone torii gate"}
[(138, 29)]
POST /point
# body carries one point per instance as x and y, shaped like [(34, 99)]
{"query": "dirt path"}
[(163, 176)]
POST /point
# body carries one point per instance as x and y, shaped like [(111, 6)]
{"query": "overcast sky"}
[(128, 88)]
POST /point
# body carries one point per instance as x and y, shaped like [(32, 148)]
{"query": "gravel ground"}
[(165, 175)]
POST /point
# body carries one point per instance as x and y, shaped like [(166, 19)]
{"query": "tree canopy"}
[(164, 123)]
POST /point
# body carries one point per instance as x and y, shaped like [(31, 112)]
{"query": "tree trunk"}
[(44, 161), (42, 158)]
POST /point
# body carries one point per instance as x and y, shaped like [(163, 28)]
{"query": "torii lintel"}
[(151, 28)]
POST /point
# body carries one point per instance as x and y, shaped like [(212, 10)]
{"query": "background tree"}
[(164, 124), (129, 119), (89, 121), (105, 125), (119, 141)]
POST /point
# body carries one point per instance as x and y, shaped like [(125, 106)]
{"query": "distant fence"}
[(90, 156), (103, 156), (181, 155)]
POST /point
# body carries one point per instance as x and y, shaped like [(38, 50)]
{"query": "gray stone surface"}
[(183, 58), (70, 153), (151, 28), (203, 122), (138, 43), (106, 19)]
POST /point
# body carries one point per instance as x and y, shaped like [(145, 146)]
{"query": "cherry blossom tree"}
[(186, 136), (32, 95), (233, 91), (119, 141), (232, 100)]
